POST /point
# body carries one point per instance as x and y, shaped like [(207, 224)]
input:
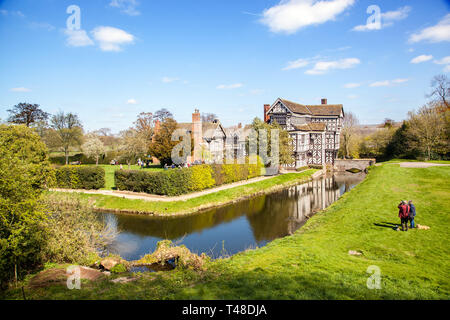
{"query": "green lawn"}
[(314, 262), (412, 160), (109, 173), (208, 200)]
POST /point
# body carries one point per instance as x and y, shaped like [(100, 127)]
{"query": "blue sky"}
[(223, 56)]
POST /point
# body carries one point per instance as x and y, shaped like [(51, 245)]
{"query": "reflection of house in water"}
[(317, 195)]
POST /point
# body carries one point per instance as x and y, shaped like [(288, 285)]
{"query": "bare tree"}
[(27, 113), (440, 89), (163, 114), (348, 132), (144, 125), (133, 146), (208, 117), (427, 128), (67, 131)]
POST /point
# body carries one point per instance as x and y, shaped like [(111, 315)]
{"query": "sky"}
[(117, 58)]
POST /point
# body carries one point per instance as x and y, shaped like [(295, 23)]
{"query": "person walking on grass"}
[(403, 215), (412, 214)]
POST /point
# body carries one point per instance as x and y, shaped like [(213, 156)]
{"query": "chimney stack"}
[(266, 108), (324, 101), (239, 125), (197, 134)]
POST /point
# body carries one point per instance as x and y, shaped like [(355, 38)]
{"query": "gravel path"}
[(152, 197), (421, 164)]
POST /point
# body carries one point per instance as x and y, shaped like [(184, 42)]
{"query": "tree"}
[(427, 129), (25, 173), (163, 114), (348, 132), (133, 146), (208, 117), (144, 125), (285, 147), (67, 132), (162, 145), (440, 93), (93, 147), (27, 114)]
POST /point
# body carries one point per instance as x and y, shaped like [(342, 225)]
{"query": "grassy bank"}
[(202, 202), (314, 262)]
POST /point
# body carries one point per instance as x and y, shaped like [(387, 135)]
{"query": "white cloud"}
[(42, 25), (439, 32), (322, 67), (77, 38), (111, 39), (169, 80), (131, 101), (20, 89), (300, 63), (387, 19), (351, 85), (230, 86), (388, 83), (445, 60), (13, 13), (422, 58), (291, 15), (352, 96), (126, 6)]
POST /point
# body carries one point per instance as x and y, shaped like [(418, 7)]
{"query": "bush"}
[(80, 177), (302, 168), (24, 173), (174, 182), (74, 233), (315, 166)]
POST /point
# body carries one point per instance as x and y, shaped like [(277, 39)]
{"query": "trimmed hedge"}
[(80, 177), (179, 181)]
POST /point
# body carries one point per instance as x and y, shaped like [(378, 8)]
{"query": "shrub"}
[(174, 182), (74, 233), (80, 177), (302, 168), (24, 173), (119, 268), (316, 166)]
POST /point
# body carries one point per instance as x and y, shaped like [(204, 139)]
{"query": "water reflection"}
[(233, 228)]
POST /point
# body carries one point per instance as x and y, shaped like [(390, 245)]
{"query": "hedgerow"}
[(80, 177), (173, 182)]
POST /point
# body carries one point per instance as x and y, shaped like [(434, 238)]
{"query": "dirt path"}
[(152, 197), (421, 164)]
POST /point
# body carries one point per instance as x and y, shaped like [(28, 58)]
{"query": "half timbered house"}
[(315, 129)]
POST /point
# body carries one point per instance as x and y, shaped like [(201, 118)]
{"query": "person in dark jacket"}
[(403, 215), (412, 214)]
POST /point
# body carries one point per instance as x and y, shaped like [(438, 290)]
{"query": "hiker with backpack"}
[(403, 214), (412, 214)]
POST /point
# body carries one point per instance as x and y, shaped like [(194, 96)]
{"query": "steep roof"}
[(314, 110), (326, 109), (209, 129), (312, 126), (296, 107)]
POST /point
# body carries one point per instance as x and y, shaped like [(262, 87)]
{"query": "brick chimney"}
[(324, 101), (197, 134), (266, 108), (239, 125), (156, 130)]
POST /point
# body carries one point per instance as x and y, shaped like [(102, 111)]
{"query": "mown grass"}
[(194, 204), (314, 262), (396, 160), (109, 173)]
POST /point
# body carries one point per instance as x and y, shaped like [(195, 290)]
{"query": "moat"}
[(233, 228)]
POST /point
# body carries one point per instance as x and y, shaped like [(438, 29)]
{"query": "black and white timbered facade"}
[(315, 129)]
